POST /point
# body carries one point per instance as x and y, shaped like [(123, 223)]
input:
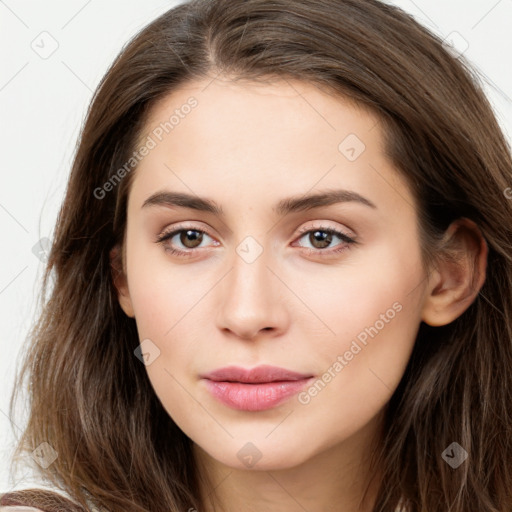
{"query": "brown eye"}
[(182, 239), (320, 239), (191, 238)]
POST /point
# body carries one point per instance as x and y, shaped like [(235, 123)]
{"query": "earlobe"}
[(120, 282), (459, 275)]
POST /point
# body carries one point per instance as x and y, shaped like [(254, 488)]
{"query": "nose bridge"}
[(250, 277), (250, 298)]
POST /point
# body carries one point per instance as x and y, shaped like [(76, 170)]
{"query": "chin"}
[(259, 456)]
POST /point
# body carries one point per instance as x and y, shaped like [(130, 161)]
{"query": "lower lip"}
[(255, 397)]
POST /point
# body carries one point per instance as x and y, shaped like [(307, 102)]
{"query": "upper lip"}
[(263, 373)]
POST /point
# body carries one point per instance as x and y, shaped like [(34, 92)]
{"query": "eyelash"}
[(161, 239)]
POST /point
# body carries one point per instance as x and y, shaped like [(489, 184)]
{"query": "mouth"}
[(259, 375), (259, 389)]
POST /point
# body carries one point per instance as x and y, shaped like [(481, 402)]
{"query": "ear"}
[(120, 281), (459, 275)]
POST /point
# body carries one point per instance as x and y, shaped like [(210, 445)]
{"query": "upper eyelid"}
[(302, 230), (344, 232), (176, 229)]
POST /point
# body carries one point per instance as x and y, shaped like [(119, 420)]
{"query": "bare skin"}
[(298, 304)]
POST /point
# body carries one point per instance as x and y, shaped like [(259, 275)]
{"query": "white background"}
[(43, 103)]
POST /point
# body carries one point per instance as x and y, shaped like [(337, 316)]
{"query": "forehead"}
[(244, 139), (241, 107)]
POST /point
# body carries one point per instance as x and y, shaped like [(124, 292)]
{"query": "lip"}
[(255, 389), (259, 374)]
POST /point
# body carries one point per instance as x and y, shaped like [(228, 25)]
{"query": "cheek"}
[(164, 299), (361, 371), (162, 293), (373, 315), (365, 290), (169, 302)]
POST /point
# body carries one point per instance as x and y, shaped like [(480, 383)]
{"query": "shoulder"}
[(37, 500)]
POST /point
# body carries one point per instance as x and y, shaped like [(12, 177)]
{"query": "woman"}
[(282, 273)]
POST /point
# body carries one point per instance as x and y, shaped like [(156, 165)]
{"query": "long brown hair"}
[(90, 397)]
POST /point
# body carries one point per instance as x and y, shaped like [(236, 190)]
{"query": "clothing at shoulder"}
[(37, 500), (19, 509)]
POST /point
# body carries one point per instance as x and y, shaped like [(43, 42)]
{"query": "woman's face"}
[(259, 279)]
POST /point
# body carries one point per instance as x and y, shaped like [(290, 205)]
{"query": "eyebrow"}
[(283, 207)]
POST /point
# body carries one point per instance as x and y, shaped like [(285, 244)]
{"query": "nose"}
[(252, 300)]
